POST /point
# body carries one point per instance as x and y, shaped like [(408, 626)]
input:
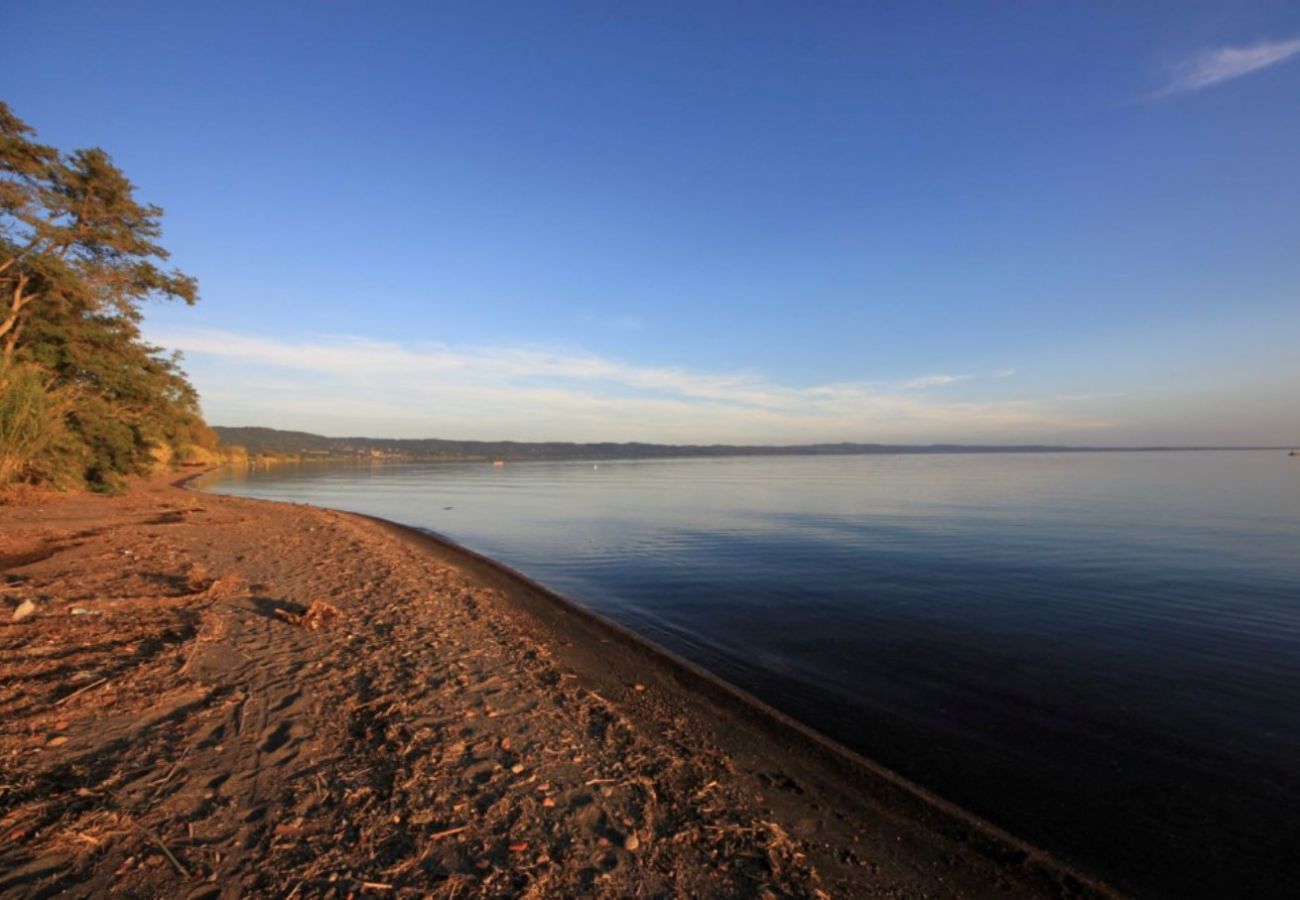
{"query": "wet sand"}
[(173, 729)]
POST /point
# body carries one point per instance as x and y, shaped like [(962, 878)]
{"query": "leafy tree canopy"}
[(78, 256)]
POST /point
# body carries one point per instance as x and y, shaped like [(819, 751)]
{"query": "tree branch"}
[(16, 306)]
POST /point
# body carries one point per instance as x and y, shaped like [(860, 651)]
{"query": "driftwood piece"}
[(318, 615)]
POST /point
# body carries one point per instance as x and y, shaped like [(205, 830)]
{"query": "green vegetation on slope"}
[(84, 400)]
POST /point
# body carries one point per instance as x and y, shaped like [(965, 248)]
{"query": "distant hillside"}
[(301, 443)]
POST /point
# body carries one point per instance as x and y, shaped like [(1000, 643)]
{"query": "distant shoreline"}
[(304, 445)]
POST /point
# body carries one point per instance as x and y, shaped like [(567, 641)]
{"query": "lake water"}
[(1098, 652)]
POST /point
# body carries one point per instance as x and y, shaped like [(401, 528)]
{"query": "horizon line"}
[(716, 445)]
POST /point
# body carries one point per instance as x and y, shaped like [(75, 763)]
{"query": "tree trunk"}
[(11, 341)]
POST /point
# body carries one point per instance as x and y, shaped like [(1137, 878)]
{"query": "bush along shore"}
[(209, 696)]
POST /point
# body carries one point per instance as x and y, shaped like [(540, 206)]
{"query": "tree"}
[(78, 257), (70, 227)]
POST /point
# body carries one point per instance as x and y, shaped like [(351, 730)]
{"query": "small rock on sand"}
[(631, 842), (25, 609)]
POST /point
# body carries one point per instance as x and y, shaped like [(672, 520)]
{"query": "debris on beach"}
[(318, 615)]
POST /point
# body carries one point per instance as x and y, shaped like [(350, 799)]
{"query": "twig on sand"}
[(243, 704), (446, 833), (704, 790), (185, 873), (81, 690), (375, 886), (158, 785), (600, 781), (168, 777), (318, 614)]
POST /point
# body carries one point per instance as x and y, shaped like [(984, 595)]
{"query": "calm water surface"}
[(1098, 652)]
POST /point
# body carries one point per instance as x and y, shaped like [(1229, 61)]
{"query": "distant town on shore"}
[(272, 442)]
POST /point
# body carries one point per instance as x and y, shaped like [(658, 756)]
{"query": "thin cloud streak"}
[(1226, 63), (930, 381), (352, 385)]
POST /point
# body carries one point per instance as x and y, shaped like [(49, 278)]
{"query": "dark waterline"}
[(1101, 653)]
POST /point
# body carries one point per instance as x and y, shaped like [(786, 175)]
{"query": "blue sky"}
[(781, 222)]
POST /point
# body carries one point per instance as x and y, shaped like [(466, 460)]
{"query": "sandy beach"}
[(206, 696)]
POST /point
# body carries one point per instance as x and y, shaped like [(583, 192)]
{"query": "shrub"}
[(34, 440)]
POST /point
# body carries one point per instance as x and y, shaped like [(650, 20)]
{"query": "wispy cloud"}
[(944, 380), (1226, 63), (930, 381), (359, 385)]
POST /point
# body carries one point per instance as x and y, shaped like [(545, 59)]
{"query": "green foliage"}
[(34, 441), (78, 256)]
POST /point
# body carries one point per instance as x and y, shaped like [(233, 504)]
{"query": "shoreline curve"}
[(735, 714)]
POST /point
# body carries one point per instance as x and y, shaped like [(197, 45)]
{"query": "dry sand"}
[(174, 727)]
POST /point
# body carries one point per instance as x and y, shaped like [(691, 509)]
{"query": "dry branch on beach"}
[(318, 614)]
